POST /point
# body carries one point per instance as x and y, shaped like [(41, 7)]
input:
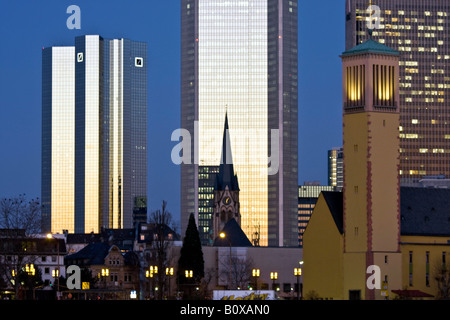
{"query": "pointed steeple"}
[(226, 176)]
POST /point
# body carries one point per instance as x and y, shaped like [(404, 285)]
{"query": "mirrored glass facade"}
[(233, 61), (88, 133), (58, 134), (108, 138), (419, 30)]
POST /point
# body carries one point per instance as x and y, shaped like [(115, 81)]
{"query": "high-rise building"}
[(419, 30), (308, 194), (206, 178), (58, 139), (95, 98), (336, 168), (241, 57)]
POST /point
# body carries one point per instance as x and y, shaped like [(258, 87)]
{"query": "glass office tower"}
[(108, 138), (125, 133), (419, 30), (241, 57), (88, 133), (58, 134)]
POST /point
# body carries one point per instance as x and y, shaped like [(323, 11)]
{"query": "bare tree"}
[(19, 213), (442, 277), (20, 220), (163, 236), (241, 270), (204, 291)]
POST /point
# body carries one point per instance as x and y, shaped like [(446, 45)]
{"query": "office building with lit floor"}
[(419, 30), (336, 168)]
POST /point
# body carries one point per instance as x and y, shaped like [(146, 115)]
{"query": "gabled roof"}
[(226, 176), (370, 46), (92, 254), (234, 234)]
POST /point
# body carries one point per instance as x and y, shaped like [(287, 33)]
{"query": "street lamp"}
[(50, 236), (55, 273), (169, 272), (188, 273), (105, 272), (273, 276), (255, 274), (29, 269), (298, 273), (151, 271), (224, 236)]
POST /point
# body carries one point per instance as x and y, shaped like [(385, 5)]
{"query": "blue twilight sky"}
[(28, 26)]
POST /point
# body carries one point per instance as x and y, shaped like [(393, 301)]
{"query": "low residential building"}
[(36, 256), (116, 272)]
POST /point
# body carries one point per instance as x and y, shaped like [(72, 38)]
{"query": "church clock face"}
[(226, 200)]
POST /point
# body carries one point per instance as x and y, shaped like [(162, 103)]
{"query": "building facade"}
[(241, 57), (419, 31), (94, 157)]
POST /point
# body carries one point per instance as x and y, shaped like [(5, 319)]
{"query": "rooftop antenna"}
[(370, 31)]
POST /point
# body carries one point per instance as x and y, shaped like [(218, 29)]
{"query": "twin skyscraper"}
[(94, 135)]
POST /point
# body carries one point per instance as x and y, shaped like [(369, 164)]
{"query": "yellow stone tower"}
[(371, 193)]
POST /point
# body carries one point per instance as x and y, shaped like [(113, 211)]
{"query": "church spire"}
[(226, 176)]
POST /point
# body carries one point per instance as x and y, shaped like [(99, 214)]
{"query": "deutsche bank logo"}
[(80, 56), (138, 62)]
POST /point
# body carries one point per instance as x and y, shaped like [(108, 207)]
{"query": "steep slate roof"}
[(424, 211), (233, 233), (226, 176), (123, 238), (92, 254), (370, 46), (334, 201)]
